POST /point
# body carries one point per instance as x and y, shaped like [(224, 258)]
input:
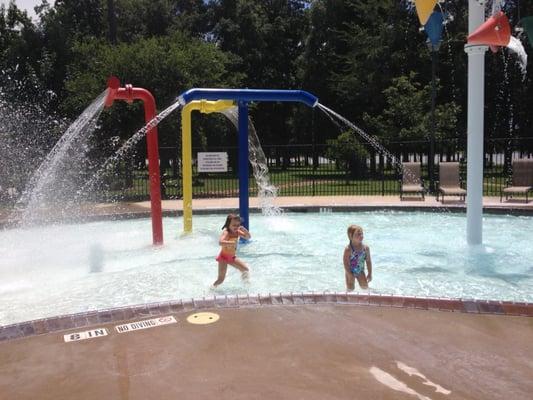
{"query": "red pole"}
[(129, 93)]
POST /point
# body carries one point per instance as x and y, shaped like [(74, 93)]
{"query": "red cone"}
[(495, 31)]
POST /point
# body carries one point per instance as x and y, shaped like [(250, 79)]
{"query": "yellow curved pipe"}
[(204, 107)]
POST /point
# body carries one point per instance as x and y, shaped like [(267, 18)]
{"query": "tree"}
[(349, 155), (267, 39), (164, 66), (19, 54), (406, 114)]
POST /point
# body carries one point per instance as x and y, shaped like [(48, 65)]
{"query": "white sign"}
[(213, 162), (149, 323), (94, 333)]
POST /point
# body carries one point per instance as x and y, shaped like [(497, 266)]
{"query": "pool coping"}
[(128, 214), (103, 316), (455, 209)]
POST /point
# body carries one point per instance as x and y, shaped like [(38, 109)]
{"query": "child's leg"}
[(241, 266), (363, 283), (350, 281), (222, 268)]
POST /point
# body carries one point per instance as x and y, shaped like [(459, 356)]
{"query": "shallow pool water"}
[(54, 270)]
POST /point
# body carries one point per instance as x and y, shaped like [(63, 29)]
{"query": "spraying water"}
[(373, 141), (42, 189), (125, 148), (510, 121), (516, 46), (266, 191), (28, 130), (496, 6)]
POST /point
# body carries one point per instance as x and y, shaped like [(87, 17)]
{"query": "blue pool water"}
[(54, 270)]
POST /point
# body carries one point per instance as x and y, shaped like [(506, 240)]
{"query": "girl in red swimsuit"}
[(231, 232)]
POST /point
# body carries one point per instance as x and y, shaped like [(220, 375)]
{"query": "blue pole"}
[(243, 164)]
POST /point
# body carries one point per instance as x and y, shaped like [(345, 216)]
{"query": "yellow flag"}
[(424, 8)]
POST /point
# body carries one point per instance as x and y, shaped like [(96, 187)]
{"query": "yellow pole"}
[(205, 107), (186, 166)]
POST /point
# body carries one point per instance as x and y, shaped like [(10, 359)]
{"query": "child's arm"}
[(368, 264), (346, 259), (223, 241), (244, 233)]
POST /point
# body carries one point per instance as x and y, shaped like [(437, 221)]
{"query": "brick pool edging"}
[(517, 209), (85, 319)]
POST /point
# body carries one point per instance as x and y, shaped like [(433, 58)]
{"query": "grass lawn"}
[(295, 181)]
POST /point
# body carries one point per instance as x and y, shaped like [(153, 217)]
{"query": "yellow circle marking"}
[(203, 318)]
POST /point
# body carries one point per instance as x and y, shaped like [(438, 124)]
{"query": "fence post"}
[(313, 139), (382, 170)]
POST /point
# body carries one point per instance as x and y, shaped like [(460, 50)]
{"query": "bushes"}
[(349, 155)]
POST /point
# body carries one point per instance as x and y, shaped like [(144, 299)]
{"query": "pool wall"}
[(85, 319), (131, 211)]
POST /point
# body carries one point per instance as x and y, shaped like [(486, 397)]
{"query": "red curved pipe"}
[(128, 94)]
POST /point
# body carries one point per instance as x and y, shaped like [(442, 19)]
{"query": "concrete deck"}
[(336, 202), (320, 351)]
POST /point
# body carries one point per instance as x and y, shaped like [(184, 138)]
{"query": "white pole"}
[(476, 83)]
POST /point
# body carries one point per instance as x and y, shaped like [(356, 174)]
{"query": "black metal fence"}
[(312, 170)]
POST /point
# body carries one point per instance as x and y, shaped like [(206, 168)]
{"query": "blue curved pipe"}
[(242, 97), (246, 95)]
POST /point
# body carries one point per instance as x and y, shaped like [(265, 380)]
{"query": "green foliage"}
[(349, 154), (357, 57), (406, 115), (164, 66), (19, 69), (267, 39)]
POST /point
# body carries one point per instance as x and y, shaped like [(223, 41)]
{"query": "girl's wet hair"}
[(230, 218), (353, 229)]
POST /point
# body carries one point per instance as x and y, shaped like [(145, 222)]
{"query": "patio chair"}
[(522, 180), (449, 181), (411, 181)]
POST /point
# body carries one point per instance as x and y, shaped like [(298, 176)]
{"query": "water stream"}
[(28, 131), (336, 118), (108, 165), (516, 46), (266, 191), (48, 184)]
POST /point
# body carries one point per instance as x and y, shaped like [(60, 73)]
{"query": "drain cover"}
[(203, 318)]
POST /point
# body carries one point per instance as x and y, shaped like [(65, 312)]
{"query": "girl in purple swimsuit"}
[(356, 255)]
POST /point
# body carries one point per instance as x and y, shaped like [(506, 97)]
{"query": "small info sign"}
[(76, 336), (146, 324), (213, 162)]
